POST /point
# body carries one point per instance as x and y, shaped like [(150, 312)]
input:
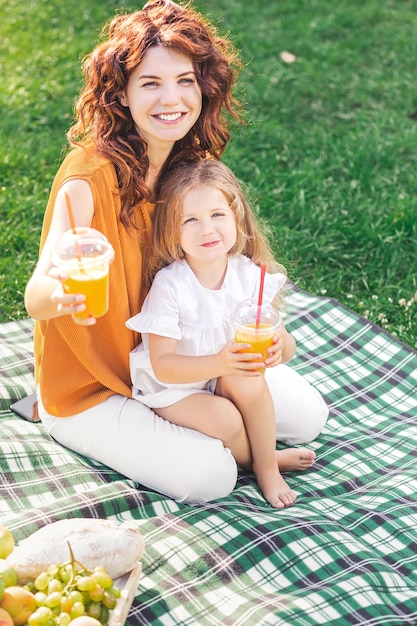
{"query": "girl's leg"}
[(300, 411), (252, 398), (130, 438), (214, 416)]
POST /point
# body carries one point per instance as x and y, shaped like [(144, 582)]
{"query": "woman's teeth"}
[(169, 117)]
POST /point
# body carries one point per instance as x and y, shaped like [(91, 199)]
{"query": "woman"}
[(155, 92)]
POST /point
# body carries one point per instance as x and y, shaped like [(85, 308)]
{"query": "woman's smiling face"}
[(163, 96)]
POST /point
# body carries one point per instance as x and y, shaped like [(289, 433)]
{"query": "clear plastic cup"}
[(259, 336), (85, 256)]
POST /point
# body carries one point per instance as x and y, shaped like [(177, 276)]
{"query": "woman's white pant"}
[(181, 463)]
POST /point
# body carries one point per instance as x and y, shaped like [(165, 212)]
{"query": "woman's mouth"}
[(169, 117)]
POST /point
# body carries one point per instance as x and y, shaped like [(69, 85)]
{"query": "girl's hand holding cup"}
[(257, 326)]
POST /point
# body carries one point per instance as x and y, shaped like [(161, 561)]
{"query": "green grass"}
[(329, 153)]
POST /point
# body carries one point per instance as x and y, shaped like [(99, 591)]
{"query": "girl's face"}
[(208, 227), (163, 96)]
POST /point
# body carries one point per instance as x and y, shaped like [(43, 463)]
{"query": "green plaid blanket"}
[(345, 553)]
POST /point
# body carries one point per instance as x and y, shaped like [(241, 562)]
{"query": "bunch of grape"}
[(67, 591)]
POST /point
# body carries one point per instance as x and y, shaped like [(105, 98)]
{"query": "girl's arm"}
[(44, 295), (282, 350), (173, 368)]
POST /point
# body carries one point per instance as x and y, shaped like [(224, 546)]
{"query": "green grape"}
[(86, 597), (53, 570), (76, 596), (40, 598), (40, 616), (63, 619), (66, 572), (55, 585), (100, 568), (104, 614), (53, 599), (102, 578), (109, 600), (86, 583), (115, 591), (94, 610), (42, 581), (67, 603), (77, 610), (96, 594)]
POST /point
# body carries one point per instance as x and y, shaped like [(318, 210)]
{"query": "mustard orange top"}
[(78, 367)]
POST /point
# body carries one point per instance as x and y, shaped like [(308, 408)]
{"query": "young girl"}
[(156, 89), (209, 247)]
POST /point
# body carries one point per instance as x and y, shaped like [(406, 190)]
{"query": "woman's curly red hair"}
[(101, 118)]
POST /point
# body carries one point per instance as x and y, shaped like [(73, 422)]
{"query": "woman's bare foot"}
[(275, 489), (293, 459)]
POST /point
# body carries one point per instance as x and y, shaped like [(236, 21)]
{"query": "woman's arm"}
[(44, 295)]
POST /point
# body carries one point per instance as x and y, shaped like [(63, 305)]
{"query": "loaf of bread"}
[(94, 542)]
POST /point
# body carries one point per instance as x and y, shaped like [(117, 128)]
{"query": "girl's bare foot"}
[(275, 489), (293, 459)]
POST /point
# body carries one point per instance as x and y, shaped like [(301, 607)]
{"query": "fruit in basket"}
[(7, 573), (7, 542), (95, 542), (19, 603), (5, 618), (68, 591)]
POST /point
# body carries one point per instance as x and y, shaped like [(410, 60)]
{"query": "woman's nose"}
[(170, 95)]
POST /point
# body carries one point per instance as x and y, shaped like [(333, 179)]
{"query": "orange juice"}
[(84, 256), (259, 338), (92, 281)]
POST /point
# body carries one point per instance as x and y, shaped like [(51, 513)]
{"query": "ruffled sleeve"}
[(272, 285), (159, 314)]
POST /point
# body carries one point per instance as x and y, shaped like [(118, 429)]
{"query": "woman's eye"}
[(187, 81)]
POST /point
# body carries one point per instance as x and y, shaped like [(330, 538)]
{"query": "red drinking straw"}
[(260, 296)]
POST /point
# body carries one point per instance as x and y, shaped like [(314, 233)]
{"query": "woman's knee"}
[(300, 410), (211, 478), (306, 426)]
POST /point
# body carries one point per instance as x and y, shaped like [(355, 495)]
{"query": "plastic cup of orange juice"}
[(256, 326), (85, 255)]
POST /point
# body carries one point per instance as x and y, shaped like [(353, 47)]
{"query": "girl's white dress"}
[(200, 319)]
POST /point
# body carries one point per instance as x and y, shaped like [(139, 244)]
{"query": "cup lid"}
[(87, 243), (246, 313)]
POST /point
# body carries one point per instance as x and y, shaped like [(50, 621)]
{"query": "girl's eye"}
[(188, 220), (151, 83), (218, 214)]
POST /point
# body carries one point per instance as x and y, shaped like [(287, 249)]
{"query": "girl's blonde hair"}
[(165, 245), (104, 121)]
